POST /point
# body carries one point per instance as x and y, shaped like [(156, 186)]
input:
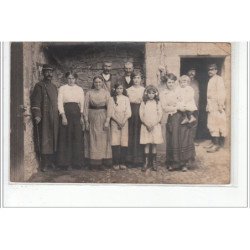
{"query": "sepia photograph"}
[(120, 121), (120, 112)]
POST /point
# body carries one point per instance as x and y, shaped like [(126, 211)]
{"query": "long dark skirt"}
[(70, 143), (180, 141), (194, 128), (135, 149)]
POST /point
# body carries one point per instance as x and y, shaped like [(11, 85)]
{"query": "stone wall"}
[(87, 59)]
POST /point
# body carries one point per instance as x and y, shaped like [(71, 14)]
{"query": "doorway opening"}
[(201, 64)]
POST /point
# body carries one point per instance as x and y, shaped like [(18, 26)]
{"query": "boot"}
[(69, 168), (53, 166), (123, 158), (146, 162), (101, 168), (168, 165), (215, 147), (150, 160), (87, 165), (45, 168), (116, 167), (44, 164), (154, 162), (184, 168)]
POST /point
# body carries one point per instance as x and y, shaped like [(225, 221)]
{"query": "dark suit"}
[(125, 84)]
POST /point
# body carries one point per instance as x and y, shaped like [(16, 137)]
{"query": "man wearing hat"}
[(45, 112), (195, 85), (216, 120)]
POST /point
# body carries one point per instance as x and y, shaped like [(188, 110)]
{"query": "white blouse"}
[(128, 79), (69, 93), (135, 94), (106, 77), (169, 100), (121, 110)]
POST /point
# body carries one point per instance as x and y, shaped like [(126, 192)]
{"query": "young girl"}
[(135, 149), (121, 111), (151, 133)]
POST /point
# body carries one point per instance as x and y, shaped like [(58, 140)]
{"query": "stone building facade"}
[(86, 60)]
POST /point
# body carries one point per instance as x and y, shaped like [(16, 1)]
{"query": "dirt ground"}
[(208, 168)]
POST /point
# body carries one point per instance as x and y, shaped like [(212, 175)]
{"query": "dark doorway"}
[(201, 64)]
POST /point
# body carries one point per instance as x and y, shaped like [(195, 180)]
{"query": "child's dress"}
[(151, 115), (121, 111), (186, 98)]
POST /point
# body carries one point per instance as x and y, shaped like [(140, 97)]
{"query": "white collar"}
[(106, 76)]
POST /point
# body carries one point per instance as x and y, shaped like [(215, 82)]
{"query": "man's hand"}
[(64, 121), (82, 121), (87, 125), (161, 68), (221, 108), (37, 119)]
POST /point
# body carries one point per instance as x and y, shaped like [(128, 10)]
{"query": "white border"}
[(117, 195)]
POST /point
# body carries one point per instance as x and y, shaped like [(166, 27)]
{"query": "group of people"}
[(120, 122)]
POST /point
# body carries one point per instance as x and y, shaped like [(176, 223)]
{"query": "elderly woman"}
[(70, 106), (180, 145), (97, 114)]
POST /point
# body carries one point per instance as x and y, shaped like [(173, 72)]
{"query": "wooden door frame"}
[(16, 113)]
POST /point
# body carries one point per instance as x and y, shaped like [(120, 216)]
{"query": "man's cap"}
[(47, 67), (212, 65)]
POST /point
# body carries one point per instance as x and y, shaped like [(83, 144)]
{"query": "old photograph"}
[(120, 112)]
